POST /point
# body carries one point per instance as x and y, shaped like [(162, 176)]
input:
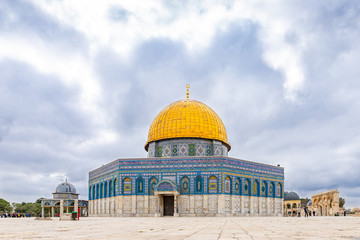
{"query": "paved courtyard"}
[(183, 228)]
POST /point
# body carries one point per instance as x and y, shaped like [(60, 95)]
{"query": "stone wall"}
[(188, 205)]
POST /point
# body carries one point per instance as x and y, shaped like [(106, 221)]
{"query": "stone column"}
[(42, 212), (133, 204), (192, 204), (146, 204), (251, 205), (242, 205), (61, 207), (335, 204), (221, 205), (176, 213), (267, 202), (52, 212), (120, 206), (157, 204), (205, 203)]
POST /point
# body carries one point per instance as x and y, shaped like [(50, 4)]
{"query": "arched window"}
[(152, 183), (279, 190), (105, 189), (213, 184), (264, 189), (101, 190), (115, 187), (97, 191), (256, 188), (140, 188), (185, 185), (90, 193), (247, 187), (237, 186), (288, 206), (228, 185), (272, 189), (110, 189), (198, 184), (127, 186), (294, 205), (93, 192)]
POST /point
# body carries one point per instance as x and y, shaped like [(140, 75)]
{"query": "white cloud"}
[(282, 76)]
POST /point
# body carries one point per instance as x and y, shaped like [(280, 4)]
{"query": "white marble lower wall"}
[(188, 205)]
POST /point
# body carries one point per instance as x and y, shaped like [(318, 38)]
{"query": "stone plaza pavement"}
[(183, 228)]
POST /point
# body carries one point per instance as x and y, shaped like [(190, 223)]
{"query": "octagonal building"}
[(187, 173)]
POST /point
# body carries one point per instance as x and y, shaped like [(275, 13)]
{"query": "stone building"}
[(325, 203), (65, 199), (187, 173), (292, 204)]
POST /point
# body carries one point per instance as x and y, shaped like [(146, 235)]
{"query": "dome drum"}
[(187, 147)]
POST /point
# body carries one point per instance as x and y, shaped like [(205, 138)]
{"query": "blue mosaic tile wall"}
[(267, 179)]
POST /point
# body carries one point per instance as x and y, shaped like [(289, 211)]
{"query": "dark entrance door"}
[(168, 205)]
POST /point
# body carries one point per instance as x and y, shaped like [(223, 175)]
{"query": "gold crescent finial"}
[(187, 91)]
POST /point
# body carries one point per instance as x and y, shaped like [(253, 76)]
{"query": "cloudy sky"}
[(81, 82)]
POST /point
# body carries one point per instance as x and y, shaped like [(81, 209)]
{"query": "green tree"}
[(33, 208), (5, 206), (341, 202), (304, 202)]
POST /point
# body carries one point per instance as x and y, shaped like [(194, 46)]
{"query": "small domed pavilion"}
[(65, 199), (292, 204)]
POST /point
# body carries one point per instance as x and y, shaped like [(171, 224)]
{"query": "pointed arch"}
[(279, 190), (213, 184), (198, 184), (264, 189), (152, 182), (247, 187), (237, 186), (110, 189), (126, 186), (140, 186), (228, 185), (272, 189), (101, 190), (115, 187), (185, 185), (256, 190)]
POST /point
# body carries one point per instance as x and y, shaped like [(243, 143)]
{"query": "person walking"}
[(306, 212)]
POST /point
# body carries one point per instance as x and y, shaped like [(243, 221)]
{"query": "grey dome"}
[(288, 196), (309, 203), (65, 187)]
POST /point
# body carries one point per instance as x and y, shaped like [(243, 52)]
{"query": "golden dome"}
[(187, 119)]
